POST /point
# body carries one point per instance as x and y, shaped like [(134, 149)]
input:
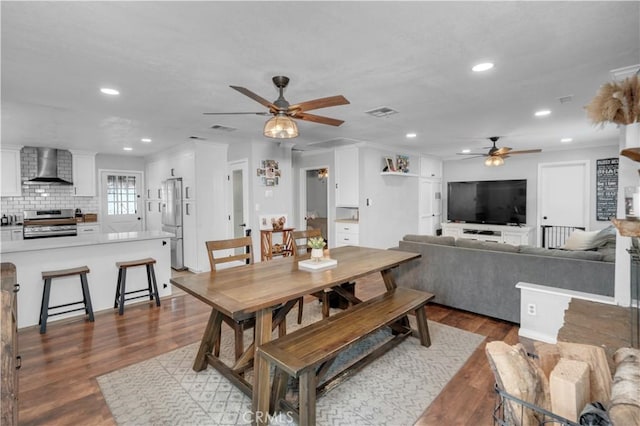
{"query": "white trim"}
[(564, 292), (243, 165)]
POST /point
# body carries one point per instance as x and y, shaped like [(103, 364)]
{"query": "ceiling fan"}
[(495, 156), (282, 125)]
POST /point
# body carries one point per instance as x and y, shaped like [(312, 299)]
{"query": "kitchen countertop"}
[(10, 227), (81, 240), (347, 220)]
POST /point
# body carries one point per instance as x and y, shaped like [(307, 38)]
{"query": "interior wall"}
[(526, 167), (393, 200)]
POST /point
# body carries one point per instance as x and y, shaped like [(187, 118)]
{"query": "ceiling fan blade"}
[(317, 119), (255, 97), (502, 151), (319, 103), (236, 113), (632, 153), (526, 151)]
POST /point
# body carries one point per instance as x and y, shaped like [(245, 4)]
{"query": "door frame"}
[(303, 199), (243, 165), (586, 195), (141, 199)]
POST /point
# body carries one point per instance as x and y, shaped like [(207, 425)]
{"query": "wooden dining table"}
[(262, 287)]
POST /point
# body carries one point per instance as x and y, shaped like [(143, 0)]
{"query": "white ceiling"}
[(172, 61)]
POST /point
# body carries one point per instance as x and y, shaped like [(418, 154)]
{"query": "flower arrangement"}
[(616, 102), (316, 243)]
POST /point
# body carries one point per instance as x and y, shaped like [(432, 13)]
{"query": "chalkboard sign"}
[(606, 188)]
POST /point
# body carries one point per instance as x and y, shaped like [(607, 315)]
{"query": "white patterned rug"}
[(393, 390)]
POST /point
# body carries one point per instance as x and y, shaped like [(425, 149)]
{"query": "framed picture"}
[(389, 164), (269, 172), (402, 162)]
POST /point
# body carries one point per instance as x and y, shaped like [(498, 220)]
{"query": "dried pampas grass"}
[(616, 102)]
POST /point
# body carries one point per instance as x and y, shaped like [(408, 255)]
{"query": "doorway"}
[(238, 190), (563, 196), (314, 199), (121, 204)]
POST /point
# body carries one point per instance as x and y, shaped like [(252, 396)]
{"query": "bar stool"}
[(86, 298), (152, 286)]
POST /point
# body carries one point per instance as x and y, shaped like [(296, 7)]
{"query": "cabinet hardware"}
[(149, 206), (159, 195), (159, 207), (148, 193), (18, 362), (16, 288), (172, 172), (186, 192), (187, 209)]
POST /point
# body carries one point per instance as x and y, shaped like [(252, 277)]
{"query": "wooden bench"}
[(308, 353)]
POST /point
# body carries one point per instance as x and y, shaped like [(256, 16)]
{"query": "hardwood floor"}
[(57, 379)]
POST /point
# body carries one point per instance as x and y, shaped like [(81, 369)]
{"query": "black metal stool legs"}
[(87, 307), (152, 286), (44, 309)]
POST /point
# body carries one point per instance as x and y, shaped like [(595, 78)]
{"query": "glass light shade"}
[(494, 161), (281, 127)]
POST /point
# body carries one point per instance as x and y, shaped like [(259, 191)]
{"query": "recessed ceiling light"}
[(485, 66), (566, 140), (542, 113), (466, 151), (411, 135), (109, 91), (147, 140), (128, 148)]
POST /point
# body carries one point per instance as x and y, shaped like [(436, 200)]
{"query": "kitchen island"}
[(99, 252)]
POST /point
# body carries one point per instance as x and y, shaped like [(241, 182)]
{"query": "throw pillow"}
[(581, 240), (606, 236)]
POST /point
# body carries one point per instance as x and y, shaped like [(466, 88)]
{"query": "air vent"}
[(223, 128), (381, 112), (197, 138), (566, 99), (332, 143)]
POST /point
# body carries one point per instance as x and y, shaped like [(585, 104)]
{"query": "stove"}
[(49, 223)]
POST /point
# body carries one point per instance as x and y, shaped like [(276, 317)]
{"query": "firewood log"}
[(599, 372), (520, 377), (624, 408), (569, 388)]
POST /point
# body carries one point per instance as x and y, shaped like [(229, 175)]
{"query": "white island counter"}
[(99, 252)]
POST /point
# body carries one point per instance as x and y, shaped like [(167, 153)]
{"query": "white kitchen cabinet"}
[(16, 234), (153, 215), (183, 166), (347, 233), (83, 165), (155, 173), (430, 167), (11, 173), (189, 235), (10, 233), (5, 235), (88, 228), (347, 176)]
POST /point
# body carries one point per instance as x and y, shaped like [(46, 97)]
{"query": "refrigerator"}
[(172, 219)]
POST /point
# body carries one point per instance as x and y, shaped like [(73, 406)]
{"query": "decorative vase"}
[(317, 254)]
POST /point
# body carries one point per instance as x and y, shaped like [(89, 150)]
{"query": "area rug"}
[(393, 390)]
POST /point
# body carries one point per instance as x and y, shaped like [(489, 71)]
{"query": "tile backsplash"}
[(40, 197)]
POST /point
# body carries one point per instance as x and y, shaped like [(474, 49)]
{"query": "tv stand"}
[(516, 235)]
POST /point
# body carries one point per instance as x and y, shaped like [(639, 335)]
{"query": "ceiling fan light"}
[(281, 127), (494, 161)]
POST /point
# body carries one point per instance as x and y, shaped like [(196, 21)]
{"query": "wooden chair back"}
[(231, 244), (300, 238)]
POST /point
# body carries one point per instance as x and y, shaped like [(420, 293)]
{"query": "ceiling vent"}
[(381, 112), (566, 99), (332, 143), (223, 128)]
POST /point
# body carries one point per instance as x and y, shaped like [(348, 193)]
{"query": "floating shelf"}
[(398, 174)]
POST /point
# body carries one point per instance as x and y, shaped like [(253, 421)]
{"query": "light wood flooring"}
[(57, 379)]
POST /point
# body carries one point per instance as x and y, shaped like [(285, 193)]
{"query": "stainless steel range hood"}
[(47, 168)]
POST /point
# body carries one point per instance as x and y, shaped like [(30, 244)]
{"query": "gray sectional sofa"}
[(480, 276)]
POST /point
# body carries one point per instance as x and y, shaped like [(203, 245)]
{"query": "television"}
[(495, 202)]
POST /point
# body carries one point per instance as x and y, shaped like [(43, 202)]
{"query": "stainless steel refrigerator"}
[(172, 218)]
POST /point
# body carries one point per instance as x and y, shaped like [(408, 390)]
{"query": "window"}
[(121, 195)]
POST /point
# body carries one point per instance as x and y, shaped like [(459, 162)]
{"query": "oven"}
[(49, 223)]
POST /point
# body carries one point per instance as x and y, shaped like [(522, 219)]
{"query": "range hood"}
[(47, 168)]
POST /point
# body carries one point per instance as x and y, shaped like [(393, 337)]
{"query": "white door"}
[(563, 194), (238, 191), (121, 201)]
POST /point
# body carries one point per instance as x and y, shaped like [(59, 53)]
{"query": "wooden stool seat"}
[(139, 262), (152, 286), (47, 276), (65, 272)]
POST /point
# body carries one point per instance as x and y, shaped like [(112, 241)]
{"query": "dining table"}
[(265, 287)]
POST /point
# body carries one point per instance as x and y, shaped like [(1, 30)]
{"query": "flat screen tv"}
[(496, 202)]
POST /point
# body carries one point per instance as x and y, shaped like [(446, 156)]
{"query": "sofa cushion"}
[(578, 254), (581, 240), (483, 245), (430, 239), (606, 236), (608, 251)]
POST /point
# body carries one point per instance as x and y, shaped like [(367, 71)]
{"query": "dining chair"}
[(245, 258), (301, 251)]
